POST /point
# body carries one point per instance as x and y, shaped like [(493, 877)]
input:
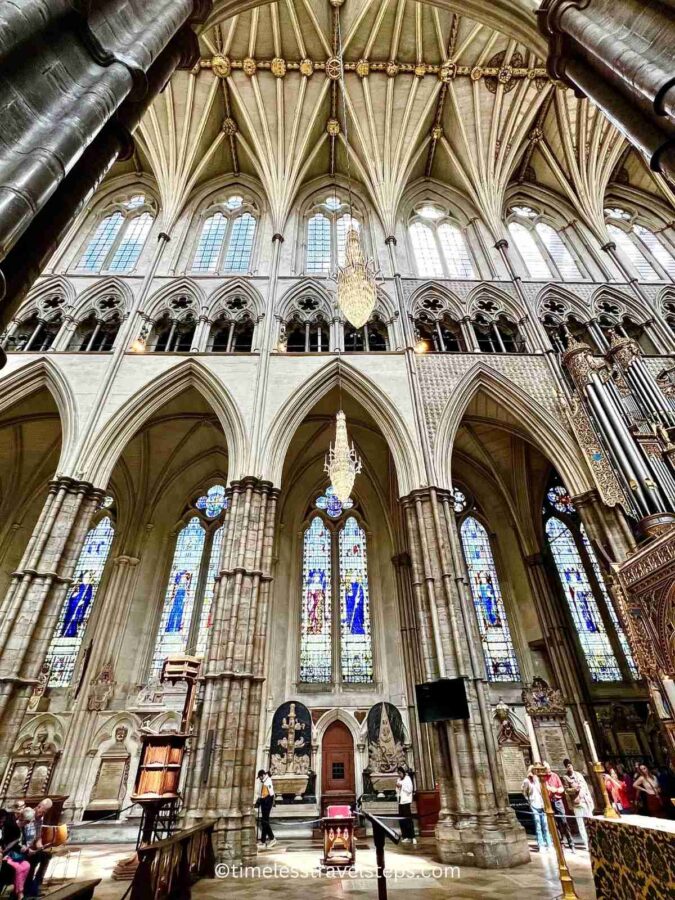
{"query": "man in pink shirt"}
[(556, 792)]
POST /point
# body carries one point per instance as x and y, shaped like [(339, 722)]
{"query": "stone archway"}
[(338, 781)]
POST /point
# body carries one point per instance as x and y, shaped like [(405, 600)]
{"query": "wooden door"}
[(337, 766)]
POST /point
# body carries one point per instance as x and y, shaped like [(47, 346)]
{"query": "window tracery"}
[(494, 329), (542, 248), (119, 237), (327, 226), (305, 326), (37, 331), (437, 326), (372, 338), (439, 246), (98, 328), (335, 639), (233, 326), (227, 237), (649, 253), (186, 612), (174, 329)]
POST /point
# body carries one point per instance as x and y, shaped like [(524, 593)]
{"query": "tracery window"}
[(72, 622), (440, 335), (439, 246), (493, 626), (587, 599), (650, 254), (327, 228), (98, 330), (372, 338), (185, 621), (335, 639), (497, 334), (226, 239), (542, 248), (119, 237), (35, 334)]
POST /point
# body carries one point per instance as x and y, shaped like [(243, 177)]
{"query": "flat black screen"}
[(440, 700)]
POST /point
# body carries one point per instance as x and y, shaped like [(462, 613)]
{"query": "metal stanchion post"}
[(610, 812), (566, 882)]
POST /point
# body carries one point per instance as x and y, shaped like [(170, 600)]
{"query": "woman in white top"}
[(404, 792)]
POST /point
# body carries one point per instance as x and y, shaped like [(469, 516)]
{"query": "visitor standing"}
[(265, 802), (647, 787), (580, 798), (556, 792), (532, 792), (404, 792)]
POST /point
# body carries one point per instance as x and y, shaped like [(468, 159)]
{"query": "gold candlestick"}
[(566, 882), (610, 812)]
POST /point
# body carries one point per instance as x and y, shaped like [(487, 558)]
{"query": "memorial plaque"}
[(629, 744), (37, 785), (515, 769), (110, 783), (553, 745), (17, 780)]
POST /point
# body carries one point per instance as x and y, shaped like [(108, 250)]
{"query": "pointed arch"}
[(631, 304), (574, 305), (431, 288), (85, 303), (539, 427), (338, 715), (306, 286), (54, 284), (186, 286), (43, 373), (106, 447), (236, 287), (403, 448), (504, 302)]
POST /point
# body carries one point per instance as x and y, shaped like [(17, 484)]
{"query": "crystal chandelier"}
[(356, 286), (342, 462)]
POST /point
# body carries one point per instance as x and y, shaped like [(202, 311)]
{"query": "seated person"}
[(15, 867), (36, 854)]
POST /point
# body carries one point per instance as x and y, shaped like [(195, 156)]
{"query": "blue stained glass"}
[(318, 244), (356, 652), (100, 243), (179, 600), (129, 248), (559, 498), (316, 626), (72, 622), (210, 244), (623, 640), (331, 505), (582, 604), (213, 502), (500, 656), (240, 245), (205, 620)]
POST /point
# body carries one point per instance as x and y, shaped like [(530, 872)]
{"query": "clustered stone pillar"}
[(619, 54), (35, 596), (222, 772), (476, 824)]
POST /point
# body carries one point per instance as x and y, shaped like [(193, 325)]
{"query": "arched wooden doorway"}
[(337, 766)]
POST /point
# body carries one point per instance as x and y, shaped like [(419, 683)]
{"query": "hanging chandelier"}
[(342, 462), (356, 285)]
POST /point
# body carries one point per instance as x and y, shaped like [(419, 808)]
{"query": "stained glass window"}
[(559, 498), (100, 243), (425, 251), (129, 248), (356, 652), (72, 621), (186, 615), (610, 605), (331, 505), (240, 245), (316, 626), (210, 244), (318, 244), (174, 626), (500, 656), (632, 252), (582, 604), (459, 500), (205, 621)]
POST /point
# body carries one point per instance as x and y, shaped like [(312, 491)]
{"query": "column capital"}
[(122, 560)]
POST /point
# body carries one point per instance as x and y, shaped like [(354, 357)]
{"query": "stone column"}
[(620, 55), (36, 593), (109, 619), (221, 781), (476, 826)]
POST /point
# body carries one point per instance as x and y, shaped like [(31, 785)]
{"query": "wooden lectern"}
[(339, 849)]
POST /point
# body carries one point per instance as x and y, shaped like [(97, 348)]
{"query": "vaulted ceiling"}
[(427, 94)]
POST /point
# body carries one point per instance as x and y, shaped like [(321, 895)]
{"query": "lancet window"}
[(335, 621), (493, 626), (595, 623), (185, 620), (327, 228), (226, 239), (72, 622), (541, 247), (439, 246), (651, 255), (119, 237)]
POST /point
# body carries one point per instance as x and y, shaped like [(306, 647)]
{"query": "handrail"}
[(168, 868)]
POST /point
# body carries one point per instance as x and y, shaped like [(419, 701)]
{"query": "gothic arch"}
[(430, 190), (234, 287), (631, 305), (504, 302), (338, 715), (539, 427), (306, 287), (186, 286), (573, 304), (287, 420), (43, 373), (106, 447), (450, 301), (54, 284)]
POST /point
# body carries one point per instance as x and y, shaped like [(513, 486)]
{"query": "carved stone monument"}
[(290, 749), (513, 748), (386, 747), (546, 707)]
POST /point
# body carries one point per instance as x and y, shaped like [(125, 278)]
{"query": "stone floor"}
[(292, 865)]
